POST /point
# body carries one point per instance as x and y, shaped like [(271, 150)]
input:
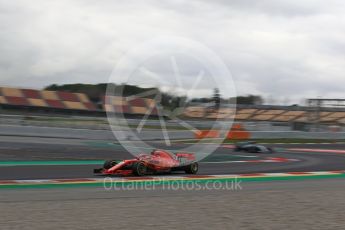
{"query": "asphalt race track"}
[(262, 204), (223, 161)]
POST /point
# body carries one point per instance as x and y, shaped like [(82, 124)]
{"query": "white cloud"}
[(272, 47)]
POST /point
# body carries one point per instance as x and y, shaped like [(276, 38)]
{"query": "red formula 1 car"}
[(159, 161)]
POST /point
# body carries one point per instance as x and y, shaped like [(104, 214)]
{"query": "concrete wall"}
[(33, 131), (297, 135)]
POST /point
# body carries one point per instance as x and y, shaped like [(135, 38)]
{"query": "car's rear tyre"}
[(192, 168), (139, 168), (109, 164)]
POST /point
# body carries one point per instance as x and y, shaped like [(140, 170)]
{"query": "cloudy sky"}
[(283, 50)]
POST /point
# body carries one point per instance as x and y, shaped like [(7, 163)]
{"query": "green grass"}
[(64, 162)]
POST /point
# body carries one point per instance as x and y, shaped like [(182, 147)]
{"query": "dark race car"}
[(159, 161), (252, 147)]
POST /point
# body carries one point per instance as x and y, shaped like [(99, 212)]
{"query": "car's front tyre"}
[(192, 168)]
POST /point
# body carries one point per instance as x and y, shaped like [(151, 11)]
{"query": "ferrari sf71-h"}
[(159, 161)]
